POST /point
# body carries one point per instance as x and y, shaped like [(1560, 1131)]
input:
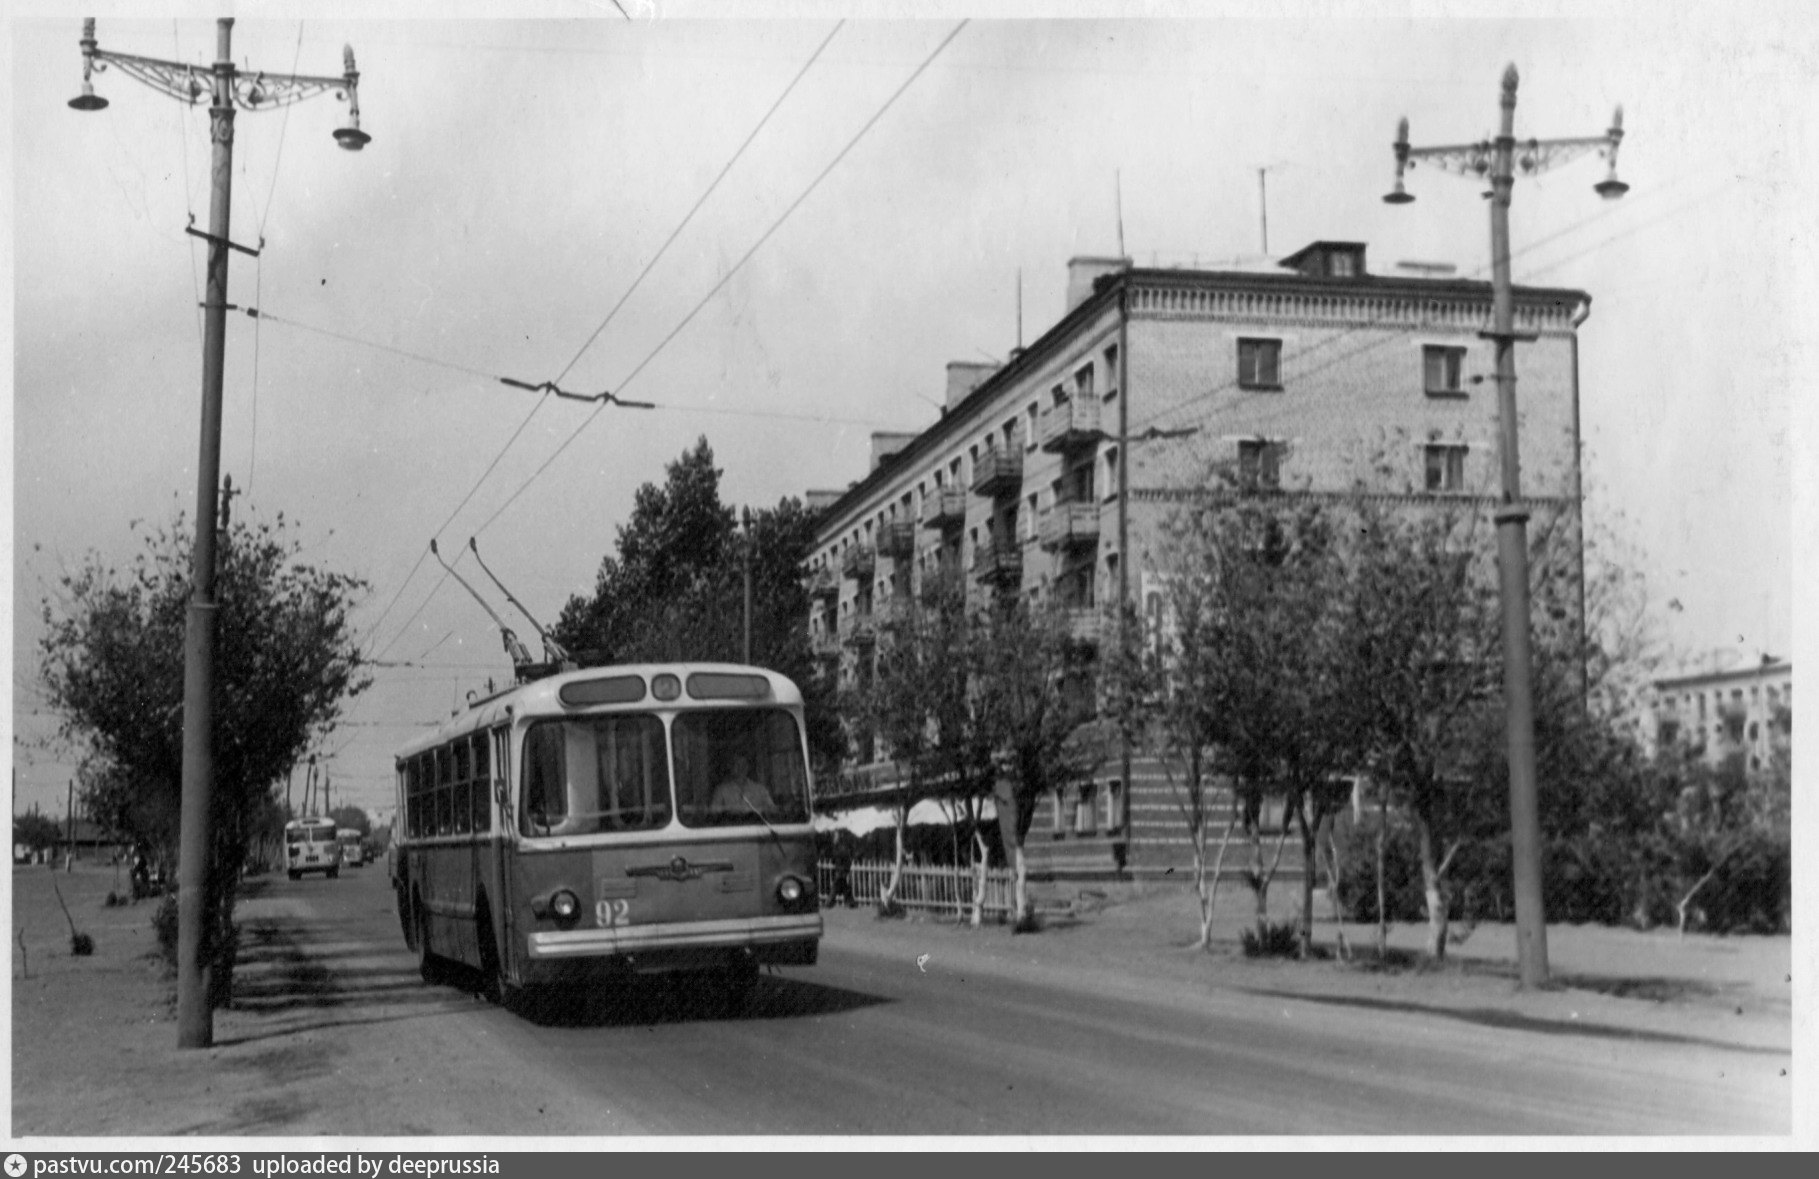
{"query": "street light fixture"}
[(228, 88), (1499, 159)]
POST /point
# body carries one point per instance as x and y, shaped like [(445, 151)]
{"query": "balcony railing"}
[(858, 562), (897, 540), (998, 473), (859, 630), (998, 562), (1070, 425), (821, 583), (1084, 625), (1069, 525), (945, 507)]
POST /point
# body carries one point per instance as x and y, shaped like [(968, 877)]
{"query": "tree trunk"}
[(981, 874), (1383, 921), (887, 901), (1434, 888), (1020, 904), (1310, 852)]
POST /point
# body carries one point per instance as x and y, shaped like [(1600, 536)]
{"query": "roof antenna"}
[(553, 652), (522, 664)]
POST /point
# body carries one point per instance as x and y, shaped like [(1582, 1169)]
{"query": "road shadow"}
[(665, 999), (1492, 1017)]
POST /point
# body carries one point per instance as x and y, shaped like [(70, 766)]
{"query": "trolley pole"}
[(1499, 159), (227, 87)]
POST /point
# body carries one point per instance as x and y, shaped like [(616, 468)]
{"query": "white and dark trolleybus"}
[(611, 822), (310, 846)]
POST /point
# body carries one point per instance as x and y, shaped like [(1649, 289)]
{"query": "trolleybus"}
[(612, 822), (310, 846)]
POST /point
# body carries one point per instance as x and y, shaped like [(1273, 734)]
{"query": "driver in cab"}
[(740, 792)]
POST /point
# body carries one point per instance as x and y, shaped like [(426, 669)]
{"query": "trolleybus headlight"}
[(564, 904), (789, 890)]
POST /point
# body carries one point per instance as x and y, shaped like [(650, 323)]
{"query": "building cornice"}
[(1236, 296), (1213, 495), (1294, 300)]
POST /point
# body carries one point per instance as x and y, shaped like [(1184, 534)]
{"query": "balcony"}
[(998, 563), (1069, 526), (859, 562), (825, 646), (1070, 425), (821, 584), (945, 507), (897, 540), (859, 630), (1084, 625), (998, 473)]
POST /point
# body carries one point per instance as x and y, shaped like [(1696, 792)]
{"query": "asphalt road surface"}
[(971, 1039)]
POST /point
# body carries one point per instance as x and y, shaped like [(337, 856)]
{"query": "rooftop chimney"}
[(1082, 273), (963, 376)]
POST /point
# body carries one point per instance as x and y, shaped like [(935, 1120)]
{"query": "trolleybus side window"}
[(483, 786), (444, 791), (595, 774), (740, 766), (462, 790)]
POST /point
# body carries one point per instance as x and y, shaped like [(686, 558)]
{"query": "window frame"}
[(1255, 349), (1449, 476), (1258, 458), (1445, 355)]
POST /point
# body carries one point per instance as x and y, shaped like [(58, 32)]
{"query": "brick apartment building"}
[(1052, 475)]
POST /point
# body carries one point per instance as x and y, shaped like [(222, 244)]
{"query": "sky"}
[(921, 181)]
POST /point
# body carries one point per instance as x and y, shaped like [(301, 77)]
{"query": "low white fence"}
[(924, 886)]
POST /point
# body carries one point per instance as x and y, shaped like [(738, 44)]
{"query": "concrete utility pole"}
[(746, 520), (1499, 159), (227, 88)]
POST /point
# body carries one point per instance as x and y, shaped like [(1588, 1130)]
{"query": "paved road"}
[(973, 1040)]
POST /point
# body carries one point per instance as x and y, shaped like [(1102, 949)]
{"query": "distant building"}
[(1052, 475), (1712, 715)]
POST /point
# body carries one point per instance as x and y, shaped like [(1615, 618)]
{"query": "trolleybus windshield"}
[(611, 774)]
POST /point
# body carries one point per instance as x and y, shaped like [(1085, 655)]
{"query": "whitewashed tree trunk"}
[(981, 874), (1433, 887), (888, 898)]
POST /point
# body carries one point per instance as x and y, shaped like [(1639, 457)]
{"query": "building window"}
[(1443, 369), (1446, 468), (1260, 364), (1083, 382), (1259, 464), (1030, 433), (1111, 372), (1111, 473)]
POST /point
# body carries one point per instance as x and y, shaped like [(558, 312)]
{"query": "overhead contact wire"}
[(736, 267)]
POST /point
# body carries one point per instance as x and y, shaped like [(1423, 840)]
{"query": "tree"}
[(36, 832), (674, 589), (1423, 662), (922, 700), (1246, 671), (351, 818), (1035, 706), (285, 661)]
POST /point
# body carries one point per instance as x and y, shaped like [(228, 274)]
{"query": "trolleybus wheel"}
[(493, 986), (429, 966)]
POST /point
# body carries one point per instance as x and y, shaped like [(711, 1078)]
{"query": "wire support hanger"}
[(551, 387)]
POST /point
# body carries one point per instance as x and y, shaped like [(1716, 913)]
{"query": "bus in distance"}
[(310, 846), (609, 823)]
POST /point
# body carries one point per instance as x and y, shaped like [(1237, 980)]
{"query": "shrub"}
[(1277, 940), (164, 924)]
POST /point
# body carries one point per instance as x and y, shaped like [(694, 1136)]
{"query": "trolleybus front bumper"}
[(753, 932)]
